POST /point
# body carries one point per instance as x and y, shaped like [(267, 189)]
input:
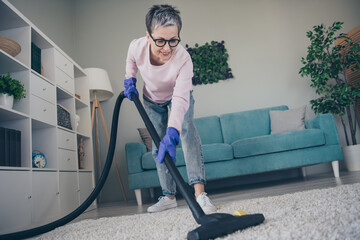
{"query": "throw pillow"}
[(146, 138), (288, 120)]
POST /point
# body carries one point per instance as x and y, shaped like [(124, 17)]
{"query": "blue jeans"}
[(190, 142)]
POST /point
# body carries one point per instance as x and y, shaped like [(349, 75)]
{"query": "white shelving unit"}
[(30, 196)]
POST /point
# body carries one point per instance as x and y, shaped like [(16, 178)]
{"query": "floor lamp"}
[(100, 90)]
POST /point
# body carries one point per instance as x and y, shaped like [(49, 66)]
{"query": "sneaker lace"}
[(204, 199), (160, 199)]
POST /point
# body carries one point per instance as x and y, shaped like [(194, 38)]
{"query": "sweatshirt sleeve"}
[(181, 96), (131, 67)]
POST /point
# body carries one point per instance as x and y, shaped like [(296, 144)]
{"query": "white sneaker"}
[(206, 204), (163, 204)]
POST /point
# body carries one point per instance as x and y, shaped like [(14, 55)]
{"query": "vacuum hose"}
[(71, 216), (211, 226)]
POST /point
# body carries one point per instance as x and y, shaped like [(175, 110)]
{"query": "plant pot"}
[(6, 100), (352, 157)]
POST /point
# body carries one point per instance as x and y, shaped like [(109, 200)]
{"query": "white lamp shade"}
[(99, 84)]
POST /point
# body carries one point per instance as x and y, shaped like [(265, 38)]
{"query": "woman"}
[(167, 71)]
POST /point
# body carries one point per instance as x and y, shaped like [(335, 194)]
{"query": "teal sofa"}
[(241, 143)]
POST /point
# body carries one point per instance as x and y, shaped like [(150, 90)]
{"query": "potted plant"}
[(10, 89), (326, 64)]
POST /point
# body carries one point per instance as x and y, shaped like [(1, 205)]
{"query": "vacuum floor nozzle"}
[(221, 224)]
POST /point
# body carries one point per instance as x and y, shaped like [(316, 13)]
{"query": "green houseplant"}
[(326, 63), (11, 89), (210, 62)]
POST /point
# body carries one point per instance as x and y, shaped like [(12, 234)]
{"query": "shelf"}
[(62, 94), (9, 19), (36, 124), (11, 115), (80, 104), (22, 37), (39, 40), (86, 136), (41, 133), (20, 106), (84, 127), (66, 129), (78, 71), (10, 64), (35, 116), (82, 88), (69, 171), (82, 134), (45, 169), (20, 123), (41, 76), (2, 168)]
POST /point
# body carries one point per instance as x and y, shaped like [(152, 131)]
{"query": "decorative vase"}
[(352, 157), (6, 100), (77, 120)]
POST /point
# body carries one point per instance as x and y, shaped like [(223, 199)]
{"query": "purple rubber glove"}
[(130, 87), (168, 144)]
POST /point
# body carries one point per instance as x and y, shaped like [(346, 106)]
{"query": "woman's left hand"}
[(168, 144)]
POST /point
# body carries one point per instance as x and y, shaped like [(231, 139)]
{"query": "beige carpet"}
[(332, 213)]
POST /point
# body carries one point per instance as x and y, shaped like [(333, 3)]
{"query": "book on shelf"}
[(18, 149), (2, 146), (7, 147), (35, 58), (10, 147)]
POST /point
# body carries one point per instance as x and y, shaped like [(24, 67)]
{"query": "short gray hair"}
[(162, 15)]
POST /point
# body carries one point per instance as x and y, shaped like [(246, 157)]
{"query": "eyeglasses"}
[(162, 42)]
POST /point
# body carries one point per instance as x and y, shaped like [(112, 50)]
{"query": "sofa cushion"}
[(246, 124), (217, 152), (209, 129), (148, 161), (278, 142), (211, 152), (288, 120)]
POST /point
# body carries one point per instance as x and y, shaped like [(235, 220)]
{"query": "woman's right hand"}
[(130, 87)]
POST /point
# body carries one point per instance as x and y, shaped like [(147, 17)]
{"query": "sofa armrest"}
[(134, 152), (326, 123)]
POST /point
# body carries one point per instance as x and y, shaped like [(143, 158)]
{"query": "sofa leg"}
[(303, 172), (151, 190), (335, 167), (138, 196)]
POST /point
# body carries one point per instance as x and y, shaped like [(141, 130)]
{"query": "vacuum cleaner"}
[(211, 226)]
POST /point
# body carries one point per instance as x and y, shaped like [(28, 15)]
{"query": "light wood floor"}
[(235, 193)]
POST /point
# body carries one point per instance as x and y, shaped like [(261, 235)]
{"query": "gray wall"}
[(55, 18), (265, 39)]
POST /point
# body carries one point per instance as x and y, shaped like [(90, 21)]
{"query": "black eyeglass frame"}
[(165, 41)]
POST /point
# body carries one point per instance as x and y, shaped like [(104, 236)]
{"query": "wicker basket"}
[(9, 46)]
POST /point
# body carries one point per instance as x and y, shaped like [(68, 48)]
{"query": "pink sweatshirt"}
[(170, 81)]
